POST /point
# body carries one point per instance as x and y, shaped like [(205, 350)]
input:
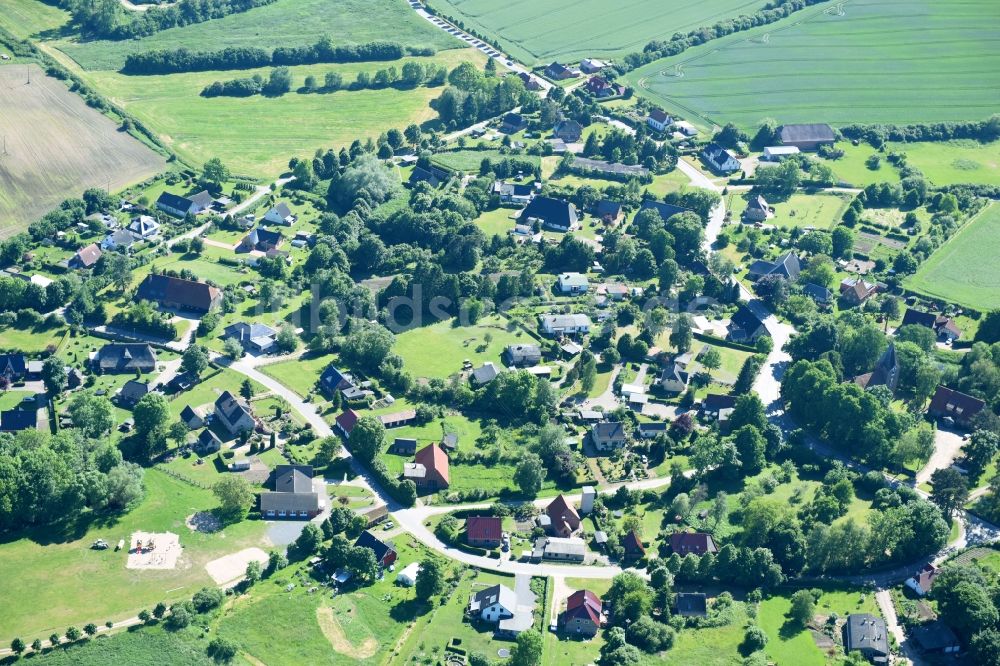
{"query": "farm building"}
[(117, 357), (807, 136), (175, 292), (779, 153)]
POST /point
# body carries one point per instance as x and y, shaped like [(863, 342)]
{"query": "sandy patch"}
[(334, 633), (234, 566), (203, 521), (148, 550)]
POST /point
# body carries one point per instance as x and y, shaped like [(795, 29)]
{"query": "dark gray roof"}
[(746, 320), (807, 132), (609, 431), (174, 290), (665, 210), (132, 391), (207, 439), (289, 501), (369, 540), (607, 208), (174, 202), (230, 408), (15, 420), (867, 633), (691, 604), (934, 636), (126, 357), (12, 365), (817, 293), (203, 199), (293, 479), (551, 211), (917, 318)]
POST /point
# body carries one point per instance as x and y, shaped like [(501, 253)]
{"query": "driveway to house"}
[(607, 400), (884, 599), (947, 445)]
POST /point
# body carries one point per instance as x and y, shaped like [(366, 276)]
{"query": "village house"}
[(192, 418), (958, 406), (559, 72), (523, 355), (13, 367), (514, 193), (118, 357), (404, 417), (942, 325), (607, 436), (333, 380), (175, 292), (856, 291), (512, 123), (573, 283), (634, 550), (886, 372), (936, 638), (691, 604), (819, 294), (867, 634), (484, 531), (652, 429), (609, 212), (758, 210), (786, 266), (807, 136), (569, 131), (658, 120), (131, 392), (16, 420), (512, 612), (922, 581), (584, 614), (293, 495), (675, 377), (665, 210), (563, 549), (252, 337), (565, 324), (281, 214), (119, 238), (85, 257), (601, 88), (530, 82), (563, 519), (176, 205), (697, 543), (233, 414), (429, 469), (745, 326), (592, 65), (551, 213), (719, 159), (261, 240), (385, 552), (485, 373), (345, 422), (207, 442), (144, 228), (432, 175)]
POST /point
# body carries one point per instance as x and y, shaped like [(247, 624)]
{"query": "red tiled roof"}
[(584, 604), (433, 457), (347, 420), (698, 543), (560, 511), (483, 528), (633, 544)]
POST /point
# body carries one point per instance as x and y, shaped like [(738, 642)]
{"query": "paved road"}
[(884, 599)]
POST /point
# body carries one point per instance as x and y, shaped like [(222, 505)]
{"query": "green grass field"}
[(151, 645), (961, 270), (28, 18), (875, 63), (453, 344), (545, 30), (497, 222), (283, 23), (257, 135), (821, 211), (60, 581), (301, 374), (949, 162)]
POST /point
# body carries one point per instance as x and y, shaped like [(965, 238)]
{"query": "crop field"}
[(57, 146), (875, 62), (283, 23), (960, 271), (257, 135), (539, 31)]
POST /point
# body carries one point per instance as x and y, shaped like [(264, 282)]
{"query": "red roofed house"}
[(429, 469), (634, 550), (564, 520), (85, 257), (583, 614), (484, 531), (959, 406), (345, 422), (698, 543)]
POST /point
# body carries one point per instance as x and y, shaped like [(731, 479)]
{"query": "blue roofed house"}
[(333, 380), (253, 336), (720, 159), (745, 326)]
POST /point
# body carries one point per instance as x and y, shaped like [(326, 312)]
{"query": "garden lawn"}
[(438, 350), (544, 30), (962, 270), (207, 391), (301, 374), (819, 211), (871, 63), (715, 646), (497, 222), (257, 135), (61, 581), (30, 340), (851, 168), (284, 23)]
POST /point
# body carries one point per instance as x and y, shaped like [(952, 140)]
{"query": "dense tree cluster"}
[(48, 478), (472, 96), (879, 134)]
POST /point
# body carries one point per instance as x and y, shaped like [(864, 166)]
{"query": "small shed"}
[(408, 576)]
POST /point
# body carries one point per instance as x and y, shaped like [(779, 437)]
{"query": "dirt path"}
[(334, 633)]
